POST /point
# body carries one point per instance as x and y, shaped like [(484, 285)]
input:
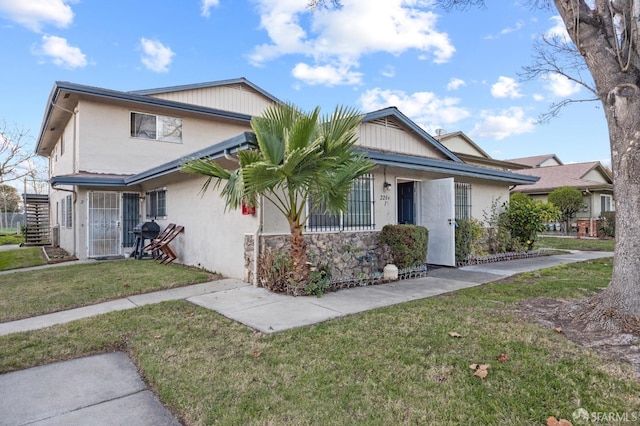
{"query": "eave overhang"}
[(446, 167)]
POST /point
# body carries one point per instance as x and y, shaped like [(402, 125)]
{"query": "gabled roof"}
[(553, 177), (459, 134), (406, 121), (205, 85), (535, 161), (482, 158), (64, 99)]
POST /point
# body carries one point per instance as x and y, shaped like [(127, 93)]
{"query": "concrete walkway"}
[(106, 389)]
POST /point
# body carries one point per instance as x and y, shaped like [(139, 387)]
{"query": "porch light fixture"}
[(386, 186)]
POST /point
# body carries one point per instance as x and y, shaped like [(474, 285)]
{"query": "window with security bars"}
[(463, 200), (156, 203), (359, 213)]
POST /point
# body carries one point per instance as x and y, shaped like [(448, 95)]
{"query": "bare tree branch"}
[(15, 153), (323, 4)]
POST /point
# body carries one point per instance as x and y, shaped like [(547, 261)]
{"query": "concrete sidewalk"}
[(106, 389)]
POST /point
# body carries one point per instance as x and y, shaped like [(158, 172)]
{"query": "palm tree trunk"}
[(299, 259)]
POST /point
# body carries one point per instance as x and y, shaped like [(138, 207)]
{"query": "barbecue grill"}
[(144, 231)]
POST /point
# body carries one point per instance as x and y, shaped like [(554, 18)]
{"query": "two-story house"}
[(114, 161)]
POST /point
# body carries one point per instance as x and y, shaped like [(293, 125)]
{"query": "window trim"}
[(159, 136), (149, 209)]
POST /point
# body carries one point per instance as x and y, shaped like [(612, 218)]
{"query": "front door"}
[(104, 224), (406, 207), (438, 216), (130, 218)]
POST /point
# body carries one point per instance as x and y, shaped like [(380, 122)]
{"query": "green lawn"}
[(11, 239), (576, 243), (395, 365), (29, 293), (22, 258)]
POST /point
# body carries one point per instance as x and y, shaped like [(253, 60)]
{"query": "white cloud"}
[(34, 14), (388, 71), (518, 26), (506, 87), (509, 122), (560, 85), (538, 97), (207, 5), (559, 29), (425, 108), (156, 56), (345, 34), (455, 84), (329, 75), (62, 53)]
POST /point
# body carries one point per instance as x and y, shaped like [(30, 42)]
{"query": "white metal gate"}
[(104, 224), (438, 216)]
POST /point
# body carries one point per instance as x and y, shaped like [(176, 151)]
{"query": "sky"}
[(455, 70)]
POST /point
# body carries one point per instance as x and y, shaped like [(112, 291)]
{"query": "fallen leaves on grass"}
[(257, 353), (503, 358), (481, 370), (454, 334), (558, 329), (552, 421)]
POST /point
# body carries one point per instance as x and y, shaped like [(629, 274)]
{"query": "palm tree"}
[(300, 159)]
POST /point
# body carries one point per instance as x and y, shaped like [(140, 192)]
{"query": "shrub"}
[(607, 224), (274, 271), (526, 217), (407, 244), (568, 200), (464, 239)]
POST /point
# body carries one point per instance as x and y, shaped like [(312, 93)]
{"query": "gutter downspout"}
[(75, 199), (256, 242)]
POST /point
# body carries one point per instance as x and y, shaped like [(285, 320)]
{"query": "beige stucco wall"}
[(237, 97), (61, 160), (483, 194), (212, 239), (107, 147)]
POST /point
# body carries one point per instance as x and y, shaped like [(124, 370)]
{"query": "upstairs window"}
[(156, 127), (156, 203)]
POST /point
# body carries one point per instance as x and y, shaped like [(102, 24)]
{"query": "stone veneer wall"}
[(347, 253)]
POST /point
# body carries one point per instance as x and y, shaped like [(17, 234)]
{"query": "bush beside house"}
[(407, 244)]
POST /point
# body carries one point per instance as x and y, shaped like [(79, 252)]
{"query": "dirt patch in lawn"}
[(555, 314), (57, 255)]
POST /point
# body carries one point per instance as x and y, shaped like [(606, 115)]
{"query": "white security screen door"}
[(437, 214), (104, 224)]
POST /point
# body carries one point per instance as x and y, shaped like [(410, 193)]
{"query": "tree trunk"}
[(617, 308), (299, 259)]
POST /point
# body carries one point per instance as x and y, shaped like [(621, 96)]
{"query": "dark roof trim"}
[(229, 146), (458, 169), (87, 181), (205, 85), (80, 89), (394, 112)]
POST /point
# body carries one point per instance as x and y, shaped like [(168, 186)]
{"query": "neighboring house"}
[(468, 151), (592, 179), (114, 161)]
